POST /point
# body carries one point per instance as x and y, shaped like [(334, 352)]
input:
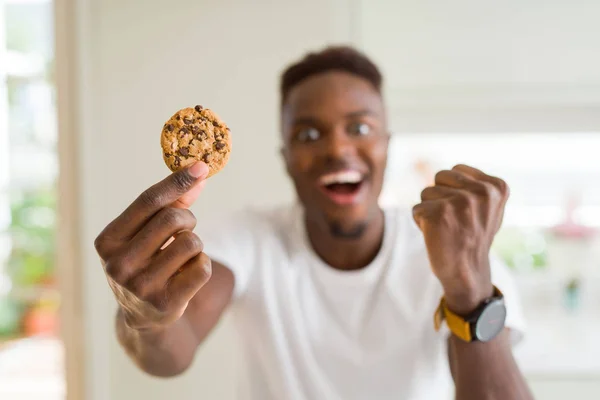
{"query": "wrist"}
[(141, 329), (464, 301)]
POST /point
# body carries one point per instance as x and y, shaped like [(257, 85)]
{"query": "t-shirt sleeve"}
[(230, 240), (503, 279)]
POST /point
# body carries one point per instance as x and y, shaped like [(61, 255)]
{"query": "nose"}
[(338, 144)]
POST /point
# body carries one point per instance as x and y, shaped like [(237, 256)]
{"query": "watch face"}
[(491, 321)]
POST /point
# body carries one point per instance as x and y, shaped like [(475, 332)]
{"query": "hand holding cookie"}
[(153, 283)]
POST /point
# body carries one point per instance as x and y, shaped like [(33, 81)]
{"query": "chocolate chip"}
[(177, 161), (219, 145), (202, 135), (169, 127), (227, 128), (206, 157), (198, 108), (168, 155), (177, 117), (184, 151), (216, 123), (183, 131), (187, 120)]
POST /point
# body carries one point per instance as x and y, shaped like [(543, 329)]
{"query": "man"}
[(333, 298)]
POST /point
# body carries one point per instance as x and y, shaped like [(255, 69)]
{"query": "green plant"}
[(33, 236)]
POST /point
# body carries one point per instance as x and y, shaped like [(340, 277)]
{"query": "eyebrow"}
[(353, 114), (305, 121), (361, 113)]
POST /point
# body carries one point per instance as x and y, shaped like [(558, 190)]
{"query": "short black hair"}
[(339, 58)]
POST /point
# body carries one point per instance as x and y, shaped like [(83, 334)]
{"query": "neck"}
[(344, 253)]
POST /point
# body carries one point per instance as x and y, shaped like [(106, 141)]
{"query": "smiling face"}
[(335, 149)]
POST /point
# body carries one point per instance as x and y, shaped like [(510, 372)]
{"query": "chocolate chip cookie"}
[(195, 134)]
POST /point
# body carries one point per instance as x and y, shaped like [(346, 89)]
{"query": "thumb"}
[(418, 212), (186, 200)]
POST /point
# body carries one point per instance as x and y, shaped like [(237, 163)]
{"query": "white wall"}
[(143, 60), (484, 65)]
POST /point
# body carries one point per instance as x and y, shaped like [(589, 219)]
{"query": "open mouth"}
[(342, 186)]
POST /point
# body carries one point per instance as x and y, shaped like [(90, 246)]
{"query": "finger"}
[(438, 192), (482, 176), (146, 282), (183, 286), (190, 196), (184, 247), (470, 171), (422, 212), (158, 196), (159, 230), (453, 179)]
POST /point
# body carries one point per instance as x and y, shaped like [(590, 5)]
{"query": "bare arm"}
[(459, 217), (486, 371), (169, 351), (169, 295)]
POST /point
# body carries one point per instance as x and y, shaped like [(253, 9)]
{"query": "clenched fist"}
[(152, 259), (459, 217)]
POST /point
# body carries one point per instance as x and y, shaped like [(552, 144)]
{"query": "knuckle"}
[(464, 201), (492, 191), (480, 188), (191, 242), (100, 245), (182, 180), (425, 193), (440, 175), (445, 207), (172, 217), (140, 286), (117, 268), (151, 198), (205, 264), (187, 217), (502, 186)]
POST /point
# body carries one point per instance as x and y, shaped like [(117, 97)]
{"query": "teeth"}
[(348, 176)]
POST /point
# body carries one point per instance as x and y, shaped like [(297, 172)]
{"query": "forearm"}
[(163, 353), (486, 371)]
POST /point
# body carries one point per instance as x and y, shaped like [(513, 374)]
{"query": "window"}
[(29, 345)]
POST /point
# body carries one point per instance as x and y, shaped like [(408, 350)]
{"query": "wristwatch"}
[(482, 325)]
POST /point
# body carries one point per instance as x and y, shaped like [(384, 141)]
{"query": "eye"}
[(359, 129), (308, 135)]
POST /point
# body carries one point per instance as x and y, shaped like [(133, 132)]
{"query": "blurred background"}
[(511, 87)]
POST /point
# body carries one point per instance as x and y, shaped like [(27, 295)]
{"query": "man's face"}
[(335, 149)]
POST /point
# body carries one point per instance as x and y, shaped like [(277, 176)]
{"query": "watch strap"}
[(459, 326)]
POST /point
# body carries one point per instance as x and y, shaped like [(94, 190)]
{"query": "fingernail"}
[(199, 169)]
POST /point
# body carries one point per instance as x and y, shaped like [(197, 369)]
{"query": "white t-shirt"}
[(311, 332)]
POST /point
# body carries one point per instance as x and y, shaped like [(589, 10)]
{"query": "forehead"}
[(331, 95)]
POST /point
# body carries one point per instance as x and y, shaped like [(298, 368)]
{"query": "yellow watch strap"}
[(457, 324)]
